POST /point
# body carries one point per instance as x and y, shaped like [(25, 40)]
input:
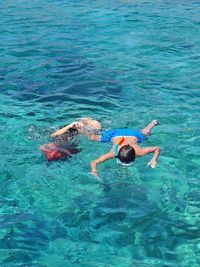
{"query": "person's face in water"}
[(91, 123)]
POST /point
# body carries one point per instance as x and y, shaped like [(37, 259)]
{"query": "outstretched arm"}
[(102, 158), (74, 125), (78, 126), (155, 150)]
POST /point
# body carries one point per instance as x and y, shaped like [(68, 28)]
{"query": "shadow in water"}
[(66, 79)]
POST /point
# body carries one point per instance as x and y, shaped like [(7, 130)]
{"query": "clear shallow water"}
[(124, 63)]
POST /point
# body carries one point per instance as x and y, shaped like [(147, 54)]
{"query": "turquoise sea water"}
[(123, 63)]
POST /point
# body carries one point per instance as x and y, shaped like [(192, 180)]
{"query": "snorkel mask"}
[(115, 148)]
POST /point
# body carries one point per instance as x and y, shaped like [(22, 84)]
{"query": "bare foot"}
[(147, 131), (155, 122)]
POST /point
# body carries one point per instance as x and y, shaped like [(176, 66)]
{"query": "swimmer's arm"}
[(156, 152), (60, 131), (74, 125), (102, 158)]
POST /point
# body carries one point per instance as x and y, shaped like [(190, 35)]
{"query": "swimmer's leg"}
[(147, 130)]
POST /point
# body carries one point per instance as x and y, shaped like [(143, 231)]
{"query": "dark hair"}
[(126, 154), (66, 137)]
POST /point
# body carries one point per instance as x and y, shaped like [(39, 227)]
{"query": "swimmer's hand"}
[(152, 163), (102, 158), (76, 125), (94, 169)]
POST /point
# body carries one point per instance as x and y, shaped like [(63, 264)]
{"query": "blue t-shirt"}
[(107, 136)]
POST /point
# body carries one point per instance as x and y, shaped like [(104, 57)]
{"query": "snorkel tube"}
[(117, 145)]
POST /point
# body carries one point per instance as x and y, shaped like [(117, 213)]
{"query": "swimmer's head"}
[(90, 123), (126, 154)]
